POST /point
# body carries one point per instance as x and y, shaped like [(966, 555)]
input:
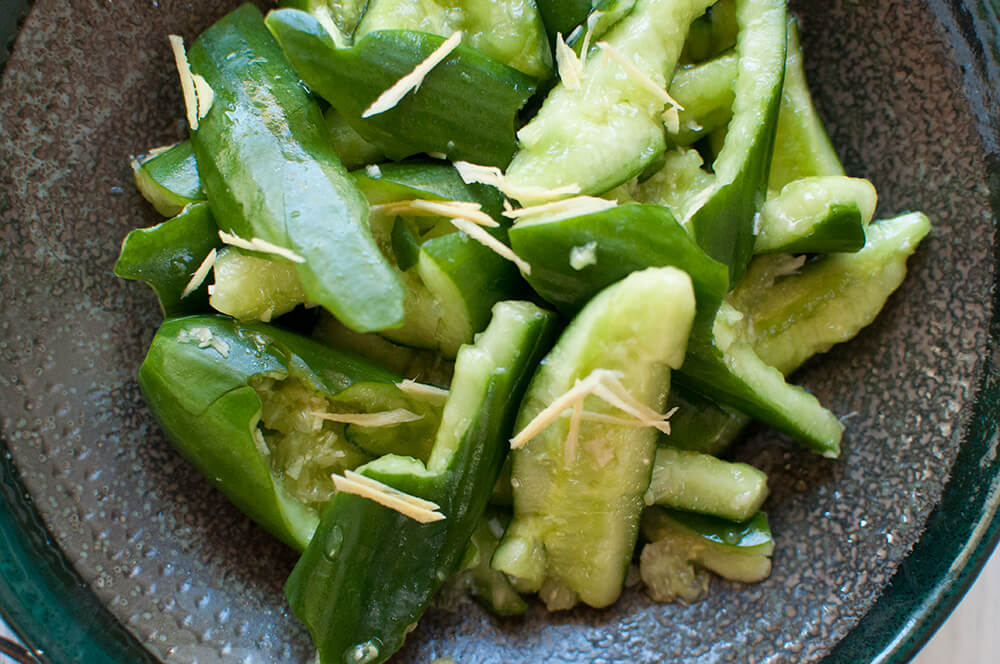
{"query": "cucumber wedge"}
[(574, 258), (682, 545), (166, 257), (802, 147), (577, 506), (465, 107), (509, 31), (169, 180), (819, 215), (724, 224), (266, 163), (794, 316), (696, 482), (370, 572), (610, 129)]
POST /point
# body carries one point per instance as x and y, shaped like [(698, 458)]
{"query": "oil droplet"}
[(333, 542), (363, 653)]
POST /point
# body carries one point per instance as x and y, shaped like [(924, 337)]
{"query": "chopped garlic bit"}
[(392, 96), (373, 171), (491, 175), (438, 155), (456, 209), (481, 236), (261, 246), (570, 207), (640, 77), (385, 418), (431, 393), (200, 274), (205, 339), (569, 65), (605, 385), (418, 509), (582, 256)]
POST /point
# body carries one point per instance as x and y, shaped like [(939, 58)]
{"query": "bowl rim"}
[(53, 610)]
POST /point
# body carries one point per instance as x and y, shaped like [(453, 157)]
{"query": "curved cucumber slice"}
[(696, 482), (509, 31), (465, 107), (169, 180), (802, 147), (369, 573), (269, 170), (573, 259), (681, 545), (706, 92), (577, 505), (819, 215), (167, 255), (251, 287), (794, 316), (724, 224), (723, 366), (607, 131)]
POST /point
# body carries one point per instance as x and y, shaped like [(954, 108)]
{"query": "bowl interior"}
[(91, 83)]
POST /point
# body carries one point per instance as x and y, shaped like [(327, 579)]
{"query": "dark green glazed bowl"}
[(113, 550)]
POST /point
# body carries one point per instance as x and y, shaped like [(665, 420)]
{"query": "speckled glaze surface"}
[(193, 581)]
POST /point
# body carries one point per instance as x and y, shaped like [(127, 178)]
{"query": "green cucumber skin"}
[(370, 573), (488, 92), (167, 255), (201, 398), (830, 301), (819, 214), (848, 291), (611, 129), (563, 15), (477, 276), (802, 147), (706, 92), (269, 170), (696, 482), (724, 225), (625, 238), (170, 180), (509, 31), (732, 374), (576, 518)]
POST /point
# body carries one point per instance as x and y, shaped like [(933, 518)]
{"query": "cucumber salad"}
[(477, 293)]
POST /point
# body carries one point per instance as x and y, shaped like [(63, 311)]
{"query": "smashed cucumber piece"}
[(795, 315), (610, 129), (578, 499), (167, 257), (802, 147), (819, 214), (796, 310), (509, 31), (169, 178), (695, 482), (684, 547)]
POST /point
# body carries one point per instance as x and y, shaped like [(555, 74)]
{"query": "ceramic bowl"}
[(113, 549)]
